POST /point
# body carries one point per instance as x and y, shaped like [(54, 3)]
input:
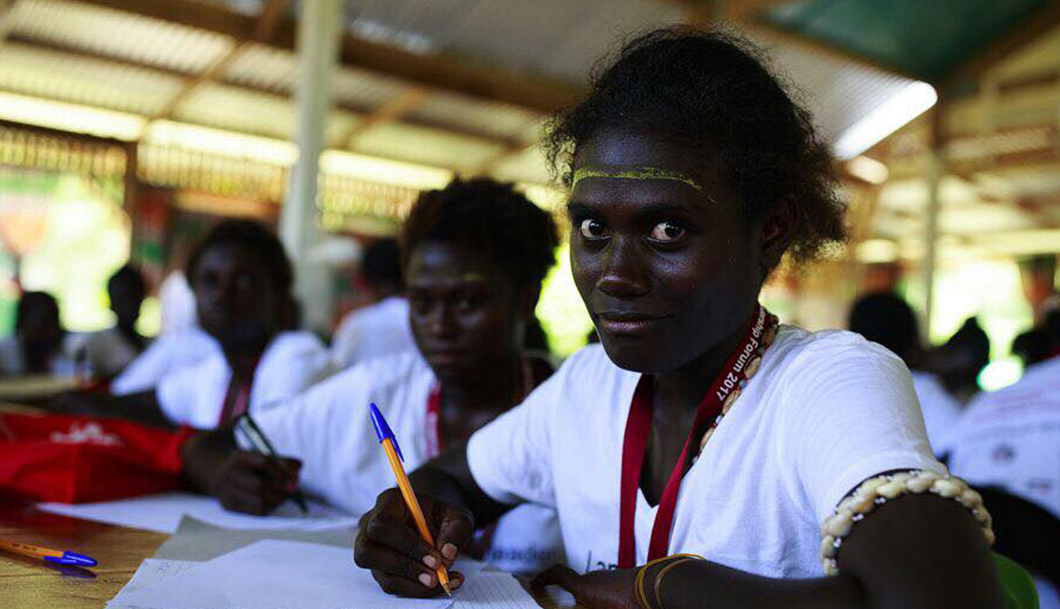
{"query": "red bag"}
[(74, 459)]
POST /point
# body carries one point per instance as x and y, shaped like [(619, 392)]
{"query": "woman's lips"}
[(628, 323)]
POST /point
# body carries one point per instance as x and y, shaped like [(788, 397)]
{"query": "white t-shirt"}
[(941, 410), (376, 330), (109, 351), (1011, 438), (328, 427), (64, 363), (195, 395), (178, 304), (824, 412), (165, 355)]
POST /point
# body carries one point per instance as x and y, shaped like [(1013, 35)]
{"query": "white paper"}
[(162, 513), (274, 574), (494, 590), (152, 571)]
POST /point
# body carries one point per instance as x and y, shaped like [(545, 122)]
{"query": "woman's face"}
[(661, 257), (235, 298), (464, 311)]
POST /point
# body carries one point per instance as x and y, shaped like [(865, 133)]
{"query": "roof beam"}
[(1020, 36), (431, 71), (264, 27), (826, 48), (393, 109)]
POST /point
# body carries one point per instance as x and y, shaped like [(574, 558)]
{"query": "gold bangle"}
[(638, 587), (662, 573)]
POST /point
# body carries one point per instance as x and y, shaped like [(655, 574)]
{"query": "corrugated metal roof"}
[(119, 34), (60, 76), (429, 146), (501, 120)]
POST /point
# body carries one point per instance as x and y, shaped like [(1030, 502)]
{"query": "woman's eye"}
[(667, 232), (592, 229)]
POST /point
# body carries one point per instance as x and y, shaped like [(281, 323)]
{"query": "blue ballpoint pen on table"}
[(58, 557), (393, 454)]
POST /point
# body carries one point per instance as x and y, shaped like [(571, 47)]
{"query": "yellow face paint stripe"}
[(642, 173)]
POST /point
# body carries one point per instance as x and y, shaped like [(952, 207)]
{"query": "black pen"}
[(257, 439)]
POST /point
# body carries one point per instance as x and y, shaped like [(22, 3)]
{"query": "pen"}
[(59, 557), (393, 453), (257, 439)]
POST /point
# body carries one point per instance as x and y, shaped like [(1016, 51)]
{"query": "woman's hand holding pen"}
[(243, 481), (254, 483), (401, 561)]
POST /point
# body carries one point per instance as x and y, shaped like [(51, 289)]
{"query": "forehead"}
[(228, 255), (643, 163), (436, 262)]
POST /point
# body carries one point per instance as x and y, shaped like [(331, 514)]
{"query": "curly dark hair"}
[(254, 237), (489, 217), (713, 92)]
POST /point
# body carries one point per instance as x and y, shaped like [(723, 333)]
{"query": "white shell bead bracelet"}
[(877, 491)]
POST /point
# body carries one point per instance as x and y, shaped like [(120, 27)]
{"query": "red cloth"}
[(74, 459)]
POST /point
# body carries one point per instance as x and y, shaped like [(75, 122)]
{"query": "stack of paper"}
[(274, 574), (162, 513)]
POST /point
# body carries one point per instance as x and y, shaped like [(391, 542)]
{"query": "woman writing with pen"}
[(704, 456)]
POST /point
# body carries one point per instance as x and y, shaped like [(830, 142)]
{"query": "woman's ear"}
[(777, 229)]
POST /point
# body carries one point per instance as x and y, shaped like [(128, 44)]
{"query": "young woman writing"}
[(475, 254), (700, 426)]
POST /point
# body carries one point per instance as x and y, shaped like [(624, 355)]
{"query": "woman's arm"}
[(915, 551), (142, 407)]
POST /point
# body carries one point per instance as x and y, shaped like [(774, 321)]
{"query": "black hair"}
[(33, 301), (886, 319), (131, 276), (254, 237), (489, 217), (711, 91), (381, 264)]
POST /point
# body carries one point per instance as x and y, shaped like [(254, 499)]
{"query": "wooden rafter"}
[(398, 106), (430, 71), (1026, 32), (264, 27)]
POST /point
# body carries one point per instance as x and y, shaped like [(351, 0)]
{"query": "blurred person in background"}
[(110, 351), (1009, 440), (382, 327), (243, 283), (39, 344)]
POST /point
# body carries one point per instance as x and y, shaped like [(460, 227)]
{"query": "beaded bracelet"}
[(638, 588), (877, 491)]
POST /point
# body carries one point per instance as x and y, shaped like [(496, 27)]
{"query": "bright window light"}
[(870, 170), (891, 115), (877, 250), (364, 167), (222, 142), (70, 117)]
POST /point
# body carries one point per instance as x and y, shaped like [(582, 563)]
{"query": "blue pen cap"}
[(382, 430), (72, 558)]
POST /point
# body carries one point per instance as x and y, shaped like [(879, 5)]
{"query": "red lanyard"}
[(638, 428), (240, 405), (435, 443)]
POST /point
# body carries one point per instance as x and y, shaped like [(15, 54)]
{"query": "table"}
[(30, 584)]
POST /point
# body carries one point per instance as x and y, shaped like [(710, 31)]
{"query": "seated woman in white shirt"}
[(475, 254), (242, 281), (698, 426), (39, 344), (110, 351)]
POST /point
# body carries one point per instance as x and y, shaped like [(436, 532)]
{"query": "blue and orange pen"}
[(393, 453), (58, 557)]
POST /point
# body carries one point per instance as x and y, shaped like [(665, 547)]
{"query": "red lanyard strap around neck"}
[(638, 429)]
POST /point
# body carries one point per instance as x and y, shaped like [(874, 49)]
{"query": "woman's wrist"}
[(649, 582)]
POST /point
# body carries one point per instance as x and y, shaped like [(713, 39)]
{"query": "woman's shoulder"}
[(797, 347)]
